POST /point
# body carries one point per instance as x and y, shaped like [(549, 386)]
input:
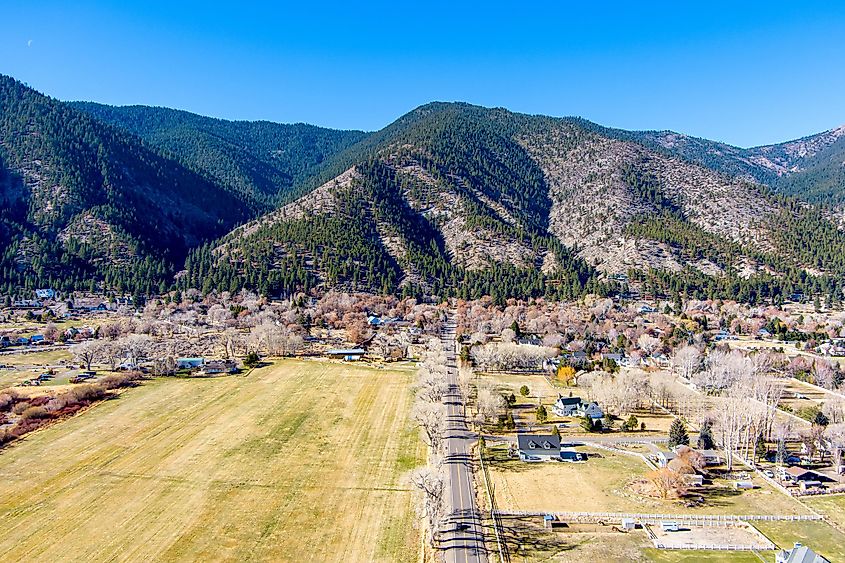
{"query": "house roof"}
[(569, 400), (345, 351), (803, 554), (538, 443)]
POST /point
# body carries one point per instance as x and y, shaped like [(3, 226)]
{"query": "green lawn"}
[(832, 506), (820, 536)]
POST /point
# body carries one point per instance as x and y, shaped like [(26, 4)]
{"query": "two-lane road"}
[(462, 536)]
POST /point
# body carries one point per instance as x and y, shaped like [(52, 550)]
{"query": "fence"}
[(696, 519), (493, 512), (717, 547)]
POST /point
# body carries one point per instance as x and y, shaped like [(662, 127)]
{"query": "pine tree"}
[(678, 434), (705, 436)]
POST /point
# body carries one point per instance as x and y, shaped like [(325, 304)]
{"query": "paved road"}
[(461, 537)]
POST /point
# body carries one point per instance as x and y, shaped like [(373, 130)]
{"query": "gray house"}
[(538, 447), (593, 410), (799, 554)]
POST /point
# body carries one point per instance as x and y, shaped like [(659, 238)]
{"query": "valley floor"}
[(297, 461)]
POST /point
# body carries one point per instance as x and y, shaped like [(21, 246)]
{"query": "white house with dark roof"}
[(575, 406)]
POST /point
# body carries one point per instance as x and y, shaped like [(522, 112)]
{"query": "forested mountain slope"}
[(82, 202), (811, 168), (261, 159), (450, 199), (452, 192)]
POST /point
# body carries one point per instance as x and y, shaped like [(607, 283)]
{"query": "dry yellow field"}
[(601, 485), (299, 461)]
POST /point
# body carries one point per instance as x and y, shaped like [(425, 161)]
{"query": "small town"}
[(672, 427), (422, 283)]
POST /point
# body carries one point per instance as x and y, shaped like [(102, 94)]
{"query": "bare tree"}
[(686, 362), (489, 403), (431, 417), (136, 347), (88, 352), (430, 483), (834, 409), (835, 435)]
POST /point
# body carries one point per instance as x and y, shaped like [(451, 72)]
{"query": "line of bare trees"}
[(430, 414)]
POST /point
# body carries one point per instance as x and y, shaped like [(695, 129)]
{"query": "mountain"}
[(811, 168), (462, 199), (260, 159), (82, 202), (449, 200)]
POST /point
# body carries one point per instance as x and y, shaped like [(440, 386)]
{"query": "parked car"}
[(769, 473)]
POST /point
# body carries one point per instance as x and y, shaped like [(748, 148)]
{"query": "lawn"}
[(832, 506), (820, 536), (299, 461), (601, 485), (694, 556)]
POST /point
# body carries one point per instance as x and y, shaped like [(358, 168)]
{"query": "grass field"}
[(601, 485), (820, 536), (832, 506), (299, 461)]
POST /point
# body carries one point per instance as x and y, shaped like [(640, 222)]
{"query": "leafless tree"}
[(86, 353), (136, 347), (430, 484), (834, 409), (489, 403), (431, 417), (686, 362)]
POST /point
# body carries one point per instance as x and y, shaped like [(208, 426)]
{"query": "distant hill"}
[(259, 159), (449, 200), (82, 202), (811, 168), (486, 201)]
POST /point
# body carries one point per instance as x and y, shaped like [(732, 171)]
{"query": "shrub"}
[(117, 381), (35, 413), (20, 407)]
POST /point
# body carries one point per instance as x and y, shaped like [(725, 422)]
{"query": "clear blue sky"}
[(739, 72)]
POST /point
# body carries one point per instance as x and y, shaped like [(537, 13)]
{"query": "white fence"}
[(692, 519)]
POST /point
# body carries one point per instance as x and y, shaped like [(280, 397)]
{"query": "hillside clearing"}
[(298, 461)]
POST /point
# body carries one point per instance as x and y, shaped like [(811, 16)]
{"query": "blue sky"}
[(750, 74)]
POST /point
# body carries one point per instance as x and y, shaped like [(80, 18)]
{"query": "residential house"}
[(712, 457), (799, 554), (566, 406), (189, 363), (575, 359), (663, 458), (215, 367), (538, 447), (37, 339), (575, 406), (593, 410), (646, 309), (529, 340), (346, 354), (45, 293), (616, 357), (796, 474)]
